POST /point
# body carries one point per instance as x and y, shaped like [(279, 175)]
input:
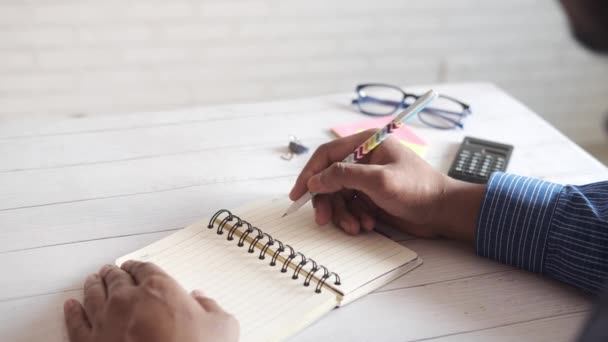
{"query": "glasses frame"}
[(450, 116)]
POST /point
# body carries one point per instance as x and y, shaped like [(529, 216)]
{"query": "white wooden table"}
[(77, 192)]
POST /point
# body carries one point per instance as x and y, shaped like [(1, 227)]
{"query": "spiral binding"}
[(303, 260)]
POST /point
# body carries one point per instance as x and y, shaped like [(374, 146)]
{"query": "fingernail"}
[(92, 277), (345, 225), (104, 269), (69, 305), (198, 293)]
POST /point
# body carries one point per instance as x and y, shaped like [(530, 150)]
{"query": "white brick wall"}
[(85, 56)]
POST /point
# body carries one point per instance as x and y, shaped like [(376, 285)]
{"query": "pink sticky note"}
[(404, 134)]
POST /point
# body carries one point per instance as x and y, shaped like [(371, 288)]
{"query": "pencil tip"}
[(284, 215)]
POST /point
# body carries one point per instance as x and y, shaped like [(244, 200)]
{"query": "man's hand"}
[(391, 184), (140, 303)]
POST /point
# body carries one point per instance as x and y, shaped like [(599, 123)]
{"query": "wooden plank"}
[(555, 329), (232, 131), (63, 267), (448, 308), (42, 125), (19, 126), (151, 212), (86, 182), (142, 213), (443, 260), (35, 318), (120, 145), (190, 136), (38, 187)]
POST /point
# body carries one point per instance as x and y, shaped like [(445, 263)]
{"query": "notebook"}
[(405, 135), (276, 275)]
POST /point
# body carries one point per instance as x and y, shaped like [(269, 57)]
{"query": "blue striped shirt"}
[(560, 231)]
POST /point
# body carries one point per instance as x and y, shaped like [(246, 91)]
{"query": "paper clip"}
[(295, 147)]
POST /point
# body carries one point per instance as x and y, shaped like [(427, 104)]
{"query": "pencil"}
[(374, 141)]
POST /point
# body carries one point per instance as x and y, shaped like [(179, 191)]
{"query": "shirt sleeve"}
[(557, 230)]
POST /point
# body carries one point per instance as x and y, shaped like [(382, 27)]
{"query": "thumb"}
[(206, 303), (342, 175), (76, 321)]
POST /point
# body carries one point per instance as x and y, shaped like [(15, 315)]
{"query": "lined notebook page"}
[(357, 259), (268, 304)]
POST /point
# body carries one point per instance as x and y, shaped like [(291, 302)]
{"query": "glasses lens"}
[(442, 113), (379, 100)]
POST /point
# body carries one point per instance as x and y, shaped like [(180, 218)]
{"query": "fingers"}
[(94, 296), (115, 278), (76, 321), (348, 210), (346, 176), (342, 217), (140, 271), (323, 209), (324, 156), (359, 208), (206, 303)]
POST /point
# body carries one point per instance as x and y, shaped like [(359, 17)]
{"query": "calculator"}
[(477, 159)]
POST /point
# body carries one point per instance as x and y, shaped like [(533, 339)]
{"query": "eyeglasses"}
[(384, 99)]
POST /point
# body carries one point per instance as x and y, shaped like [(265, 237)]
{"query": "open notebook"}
[(331, 267)]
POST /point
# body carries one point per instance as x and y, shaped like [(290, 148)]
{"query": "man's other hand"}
[(138, 302)]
